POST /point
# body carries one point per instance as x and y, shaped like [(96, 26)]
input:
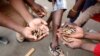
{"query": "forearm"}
[(30, 2), (78, 4), (88, 46), (94, 36), (9, 23), (98, 0), (19, 6), (84, 17)]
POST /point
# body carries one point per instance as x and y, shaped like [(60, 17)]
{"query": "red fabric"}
[(96, 17), (97, 50)]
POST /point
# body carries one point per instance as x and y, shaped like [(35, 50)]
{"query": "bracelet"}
[(73, 10)]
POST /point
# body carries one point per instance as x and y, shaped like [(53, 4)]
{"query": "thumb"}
[(32, 37)]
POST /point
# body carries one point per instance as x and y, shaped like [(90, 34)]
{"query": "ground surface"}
[(20, 49)]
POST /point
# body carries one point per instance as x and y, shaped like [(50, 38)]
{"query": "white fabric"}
[(60, 4)]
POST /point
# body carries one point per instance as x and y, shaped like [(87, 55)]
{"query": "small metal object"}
[(67, 30), (67, 40), (38, 33), (30, 52)]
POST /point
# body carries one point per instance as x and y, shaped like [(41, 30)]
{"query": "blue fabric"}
[(88, 3)]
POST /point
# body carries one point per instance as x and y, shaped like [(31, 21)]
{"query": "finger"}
[(71, 39), (75, 35), (59, 30), (66, 43), (31, 39), (69, 44), (41, 37), (43, 22), (60, 36), (45, 34), (45, 28), (31, 36), (43, 11), (41, 15)]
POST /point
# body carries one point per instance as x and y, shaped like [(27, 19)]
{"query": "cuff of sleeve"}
[(97, 50)]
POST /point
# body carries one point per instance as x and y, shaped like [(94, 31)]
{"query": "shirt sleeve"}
[(97, 50)]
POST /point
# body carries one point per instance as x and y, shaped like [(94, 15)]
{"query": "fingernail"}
[(35, 37)]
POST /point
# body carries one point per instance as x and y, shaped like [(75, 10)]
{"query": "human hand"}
[(71, 42), (38, 23), (74, 43), (41, 25), (35, 23), (44, 32), (77, 34), (27, 33), (72, 14), (39, 10)]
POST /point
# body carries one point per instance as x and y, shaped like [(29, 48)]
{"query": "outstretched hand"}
[(79, 33), (74, 43), (39, 23), (39, 10)]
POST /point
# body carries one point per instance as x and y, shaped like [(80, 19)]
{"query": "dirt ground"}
[(41, 48)]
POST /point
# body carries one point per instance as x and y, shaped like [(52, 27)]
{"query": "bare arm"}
[(31, 2), (38, 9), (78, 4), (95, 36), (9, 23), (25, 31), (75, 10), (19, 6), (77, 43), (98, 0), (88, 46)]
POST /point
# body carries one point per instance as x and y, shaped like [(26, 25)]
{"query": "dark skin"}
[(72, 13), (7, 22), (56, 24), (20, 7), (26, 32), (38, 9), (77, 42), (50, 17), (56, 18)]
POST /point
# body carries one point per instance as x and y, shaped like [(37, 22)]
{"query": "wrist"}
[(86, 35), (20, 29), (31, 2), (74, 10), (29, 20), (88, 46)]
